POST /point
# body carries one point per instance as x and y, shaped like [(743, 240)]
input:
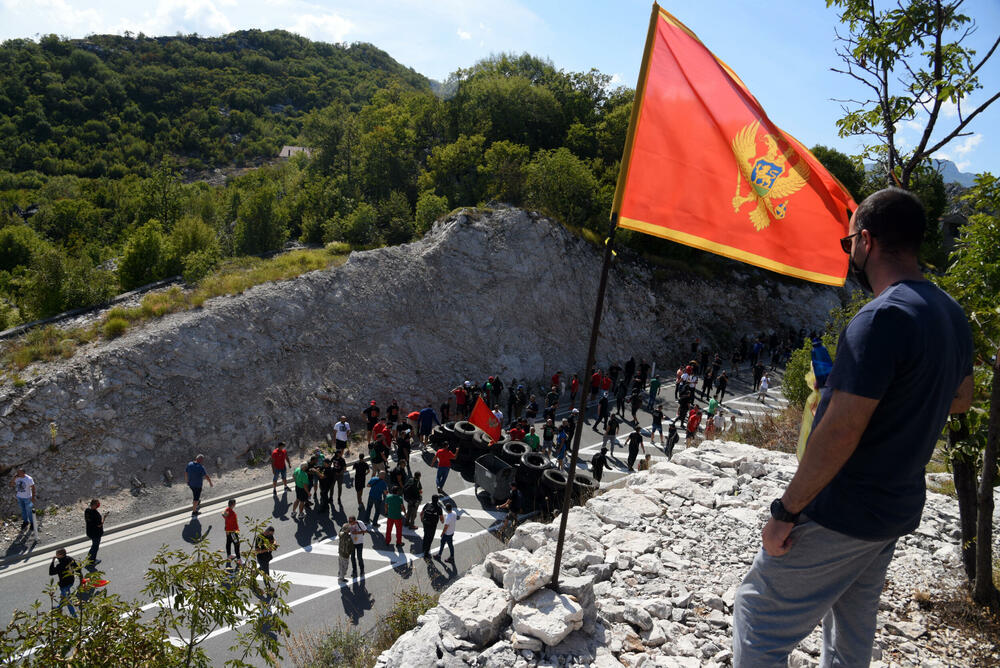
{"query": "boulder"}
[(548, 616), (525, 576), (475, 609)]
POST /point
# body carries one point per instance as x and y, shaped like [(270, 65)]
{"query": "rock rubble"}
[(649, 578), (482, 293)]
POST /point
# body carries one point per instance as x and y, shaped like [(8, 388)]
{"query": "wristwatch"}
[(779, 513)]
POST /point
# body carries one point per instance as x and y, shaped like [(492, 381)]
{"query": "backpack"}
[(429, 514)]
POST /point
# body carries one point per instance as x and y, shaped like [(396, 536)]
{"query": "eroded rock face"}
[(280, 360), (664, 591)]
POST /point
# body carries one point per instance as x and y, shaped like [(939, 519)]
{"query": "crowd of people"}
[(381, 467)]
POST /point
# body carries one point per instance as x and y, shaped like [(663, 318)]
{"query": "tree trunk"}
[(985, 592), (964, 474)]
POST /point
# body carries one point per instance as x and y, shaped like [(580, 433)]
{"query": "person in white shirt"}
[(448, 533), (24, 491), (765, 382), (358, 531), (341, 433)]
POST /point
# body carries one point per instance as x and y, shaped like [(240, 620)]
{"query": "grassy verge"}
[(778, 431), (345, 646), (231, 278)]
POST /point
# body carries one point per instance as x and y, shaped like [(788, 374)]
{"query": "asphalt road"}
[(307, 554)]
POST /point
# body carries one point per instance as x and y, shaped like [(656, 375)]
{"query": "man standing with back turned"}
[(904, 362)]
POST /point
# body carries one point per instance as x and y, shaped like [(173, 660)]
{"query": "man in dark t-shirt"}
[(904, 363), (95, 530)]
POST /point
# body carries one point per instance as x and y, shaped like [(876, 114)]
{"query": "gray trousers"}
[(826, 576)]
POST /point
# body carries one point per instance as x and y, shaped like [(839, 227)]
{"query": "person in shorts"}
[(341, 434), (196, 473), (301, 475), (279, 465)]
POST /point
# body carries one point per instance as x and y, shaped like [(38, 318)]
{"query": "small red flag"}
[(704, 166), (484, 418)]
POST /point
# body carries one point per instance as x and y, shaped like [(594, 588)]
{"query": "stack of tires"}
[(465, 440), (512, 451), (528, 476), (584, 487), (553, 488)]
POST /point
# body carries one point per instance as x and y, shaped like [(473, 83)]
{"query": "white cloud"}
[(968, 144), (57, 16), (949, 109), (180, 16), (616, 80), (462, 34), (326, 27)]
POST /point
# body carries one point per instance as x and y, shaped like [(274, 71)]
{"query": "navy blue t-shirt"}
[(910, 348), (195, 473)]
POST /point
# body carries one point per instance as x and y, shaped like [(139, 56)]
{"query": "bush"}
[(199, 264), (114, 327), (562, 186), (430, 207), (793, 385), (145, 257), (348, 647), (338, 248)]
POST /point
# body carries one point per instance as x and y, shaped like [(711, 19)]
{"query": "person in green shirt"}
[(531, 438), (301, 476), (713, 406), (654, 389), (394, 515)]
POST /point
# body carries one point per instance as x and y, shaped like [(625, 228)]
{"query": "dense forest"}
[(102, 141)]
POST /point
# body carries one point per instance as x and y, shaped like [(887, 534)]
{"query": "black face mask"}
[(859, 273)]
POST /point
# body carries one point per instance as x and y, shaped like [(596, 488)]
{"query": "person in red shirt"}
[(595, 384), (232, 530), (279, 465), (557, 380), (694, 419), (460, 396), (516, 432), (574, 387), (606, 384), (442, 460), (382, 427)]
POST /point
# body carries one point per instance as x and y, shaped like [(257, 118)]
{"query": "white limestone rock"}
[(526, 576), (548, 616), (475, 609)]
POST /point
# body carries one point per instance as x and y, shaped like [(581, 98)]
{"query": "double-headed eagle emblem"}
[(771, 177)]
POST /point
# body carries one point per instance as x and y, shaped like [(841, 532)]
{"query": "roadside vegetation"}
[(345, 646), (232, 277)]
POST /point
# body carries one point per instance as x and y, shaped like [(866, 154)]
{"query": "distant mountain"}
[(951, 174)]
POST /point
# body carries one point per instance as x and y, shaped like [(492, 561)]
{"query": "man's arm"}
[(830, 446), (963, 397), (209, 479)]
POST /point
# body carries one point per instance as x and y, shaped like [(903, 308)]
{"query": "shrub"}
[(430, 207), (338, 248), (145, 257), (561, 185), (199, 264), (114, 327)]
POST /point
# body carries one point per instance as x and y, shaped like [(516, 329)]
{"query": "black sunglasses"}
[(845, 243)]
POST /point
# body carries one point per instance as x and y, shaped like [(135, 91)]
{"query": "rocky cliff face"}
[(482, 293)]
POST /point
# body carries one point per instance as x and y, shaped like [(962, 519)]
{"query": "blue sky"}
[(782, 49)]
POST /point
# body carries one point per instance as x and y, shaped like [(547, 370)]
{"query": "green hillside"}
[(111, 105)]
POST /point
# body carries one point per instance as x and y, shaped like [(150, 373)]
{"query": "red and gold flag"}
[(484, 418), (704, 166)]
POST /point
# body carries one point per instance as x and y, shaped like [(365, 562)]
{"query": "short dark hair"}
[(895, 217)]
